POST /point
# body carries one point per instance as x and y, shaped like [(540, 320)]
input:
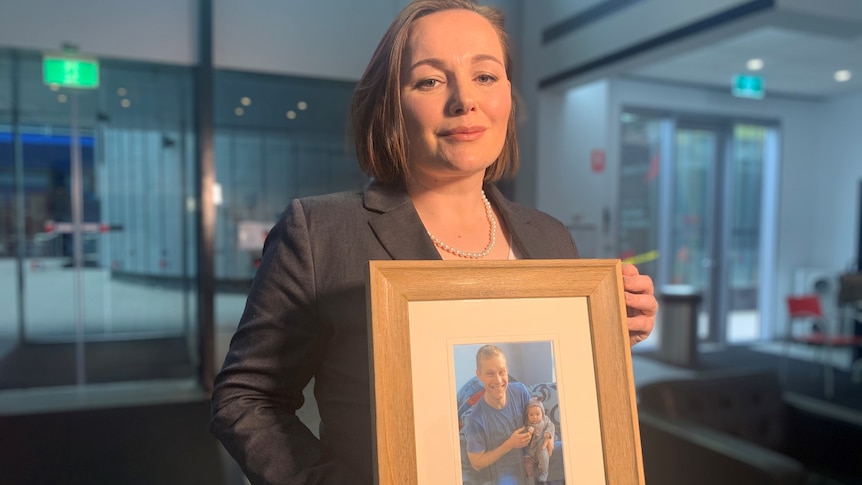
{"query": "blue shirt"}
[(487, 428)]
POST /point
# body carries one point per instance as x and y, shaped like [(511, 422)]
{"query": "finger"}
[(640, 323), (636, 338), (643, 304), (640, 328), (638, 284), (629, 269)]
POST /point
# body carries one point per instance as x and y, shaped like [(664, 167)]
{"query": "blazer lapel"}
[(530, 231), (524, 237), (396, 223), (398, 228)]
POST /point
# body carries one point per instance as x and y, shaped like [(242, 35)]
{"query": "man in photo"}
[(494, 429)]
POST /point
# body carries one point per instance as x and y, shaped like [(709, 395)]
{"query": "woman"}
[(434, 127)]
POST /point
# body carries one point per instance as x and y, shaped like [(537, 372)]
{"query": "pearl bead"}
[(492, 223)]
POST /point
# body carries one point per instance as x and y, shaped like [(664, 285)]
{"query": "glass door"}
[(715, 220), (697, 209), (97, 234), (693, 218), (747, 239)]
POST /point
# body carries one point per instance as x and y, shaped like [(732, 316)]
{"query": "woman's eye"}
[(486, 78), (427, 83)]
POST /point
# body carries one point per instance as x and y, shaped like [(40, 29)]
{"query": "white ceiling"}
[(796, 63)]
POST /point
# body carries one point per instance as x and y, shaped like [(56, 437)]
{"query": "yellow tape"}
[(642, 258)]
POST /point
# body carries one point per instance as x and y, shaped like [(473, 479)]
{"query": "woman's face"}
[(455, 95)]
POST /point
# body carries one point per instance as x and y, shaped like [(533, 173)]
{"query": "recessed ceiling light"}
[(61, 98), (54, 87), (238, 111), (121, 91), (302, 105), (754, 64), (245, 101), (125, 103), (843, 75), (290, 114)]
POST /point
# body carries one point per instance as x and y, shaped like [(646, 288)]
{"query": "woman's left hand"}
[(641, 304)]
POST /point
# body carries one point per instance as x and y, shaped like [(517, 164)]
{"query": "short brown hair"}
[(379, 131), (486, 352)]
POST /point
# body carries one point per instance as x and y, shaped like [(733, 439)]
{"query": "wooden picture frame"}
[(420, 310)]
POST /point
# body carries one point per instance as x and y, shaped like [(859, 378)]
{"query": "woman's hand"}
[(641, 304)]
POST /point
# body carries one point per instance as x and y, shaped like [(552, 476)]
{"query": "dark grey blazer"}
[(306, 317)]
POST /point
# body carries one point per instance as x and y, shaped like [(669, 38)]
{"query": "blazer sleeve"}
[(272, 357)]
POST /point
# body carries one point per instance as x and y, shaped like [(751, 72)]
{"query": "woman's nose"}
[(463, 98)]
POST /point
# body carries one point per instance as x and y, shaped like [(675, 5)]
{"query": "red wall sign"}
[(598, 160)]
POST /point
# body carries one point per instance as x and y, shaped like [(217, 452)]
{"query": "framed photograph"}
[(492, 372)]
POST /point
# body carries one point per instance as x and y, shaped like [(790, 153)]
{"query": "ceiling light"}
[(125, 103), (61, 98), (245, 101), (291, 114), (121, 91), (302, 105), (54, 87), (238, 111), (843, 75), (754, 64)]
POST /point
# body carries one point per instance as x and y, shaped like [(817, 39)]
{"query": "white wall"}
[(322, 38), (836, 171), (572, 126), (151, 30), (330, 39)]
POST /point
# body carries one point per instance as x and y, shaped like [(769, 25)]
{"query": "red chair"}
[(818, 332)]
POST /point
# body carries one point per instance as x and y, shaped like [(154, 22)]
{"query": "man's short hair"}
[(486, 352)]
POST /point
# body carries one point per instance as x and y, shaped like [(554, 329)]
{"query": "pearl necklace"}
[(492, 222)]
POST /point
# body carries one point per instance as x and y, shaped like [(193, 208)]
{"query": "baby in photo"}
[(542, 441)]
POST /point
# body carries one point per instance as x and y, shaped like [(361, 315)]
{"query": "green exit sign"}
[(747, 86), (70, 72)]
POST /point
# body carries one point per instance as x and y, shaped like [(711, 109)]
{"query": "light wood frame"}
[(394, 285)]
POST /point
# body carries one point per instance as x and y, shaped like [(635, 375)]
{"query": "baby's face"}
[(534, 415)]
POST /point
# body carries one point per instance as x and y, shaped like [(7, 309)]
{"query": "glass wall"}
[(639, 168), (126, 309), (9, 208), (276, 138), (110, 299)]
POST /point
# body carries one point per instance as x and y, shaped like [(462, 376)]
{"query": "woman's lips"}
[(464, 133)]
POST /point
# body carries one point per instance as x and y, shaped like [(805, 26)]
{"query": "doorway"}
[(701, 210), (96, 235)]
